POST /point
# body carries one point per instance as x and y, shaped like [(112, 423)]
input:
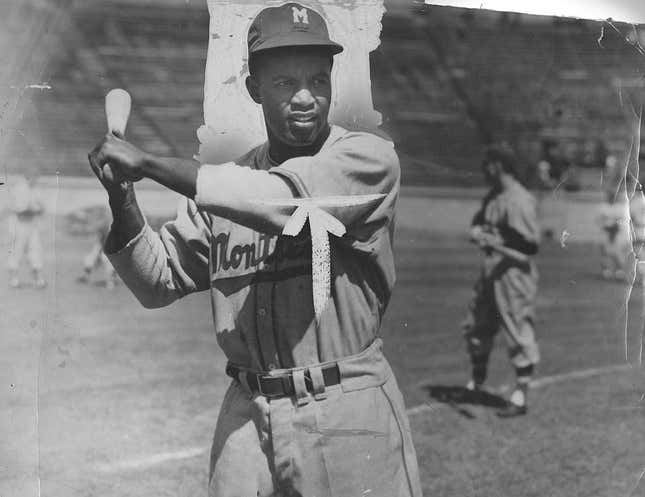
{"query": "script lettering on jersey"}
[(252, 256)]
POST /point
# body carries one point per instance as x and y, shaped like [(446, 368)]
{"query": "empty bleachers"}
[(446, 80)]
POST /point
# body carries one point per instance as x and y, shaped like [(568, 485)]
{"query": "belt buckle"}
[(260, 377)]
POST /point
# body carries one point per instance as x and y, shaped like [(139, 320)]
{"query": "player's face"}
[(294, 88)]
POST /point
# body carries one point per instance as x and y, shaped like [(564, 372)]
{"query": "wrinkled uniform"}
[(348, 439), (506, 291), (26, 210)]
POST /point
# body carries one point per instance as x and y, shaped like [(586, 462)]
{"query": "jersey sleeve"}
[(161, 267), (354, 164), (236, 192), (357, 164)]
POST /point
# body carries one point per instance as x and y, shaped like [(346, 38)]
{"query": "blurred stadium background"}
[(446, 81)]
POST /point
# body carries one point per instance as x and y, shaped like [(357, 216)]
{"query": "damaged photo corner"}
[(510, 308)]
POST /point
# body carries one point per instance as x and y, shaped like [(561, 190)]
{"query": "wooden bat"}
[(516, 255), (118, 104)]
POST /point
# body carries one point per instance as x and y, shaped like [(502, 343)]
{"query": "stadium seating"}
[(446, 80)]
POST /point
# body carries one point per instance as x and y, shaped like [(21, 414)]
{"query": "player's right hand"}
[(476, 233), (487, 240), (124, 159)]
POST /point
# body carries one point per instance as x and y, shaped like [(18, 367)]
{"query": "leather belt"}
[(281, 385)]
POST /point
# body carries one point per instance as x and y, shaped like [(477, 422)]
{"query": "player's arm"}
[(354, 164), (491, 242), (158, 268), (128, 220), (517, 241), (357, 166), (231, 192), (519, 235), (161, 267)]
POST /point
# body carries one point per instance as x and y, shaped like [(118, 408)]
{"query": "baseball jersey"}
[(511, 214), (260, 282)]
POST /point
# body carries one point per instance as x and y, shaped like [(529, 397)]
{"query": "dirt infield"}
[(101, 397)]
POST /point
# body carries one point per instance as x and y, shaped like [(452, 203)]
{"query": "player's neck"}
[(506, 181), (280, 151)]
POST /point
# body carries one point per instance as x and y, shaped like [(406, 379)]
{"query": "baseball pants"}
[(506, 306), (351, 439)]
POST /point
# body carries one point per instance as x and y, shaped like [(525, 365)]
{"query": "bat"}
[(476, 234), (118, 104)]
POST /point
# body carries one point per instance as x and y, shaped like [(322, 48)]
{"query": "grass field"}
[(101, 397)]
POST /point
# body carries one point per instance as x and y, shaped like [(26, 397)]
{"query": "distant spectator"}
[(26, 209)]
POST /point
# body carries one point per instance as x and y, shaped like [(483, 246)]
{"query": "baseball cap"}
[(289, 25)]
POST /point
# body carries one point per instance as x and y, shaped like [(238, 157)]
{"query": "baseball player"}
[(637, 217), (614, 245), (26, 209), (507, 231), (96, 257), (313, 408), (612, 219)]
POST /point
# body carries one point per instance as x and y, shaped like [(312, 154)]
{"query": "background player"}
[(25, 209), (96, 257), (612, 219), (637, 216), (614, 245), (506, 230), (296, 379)]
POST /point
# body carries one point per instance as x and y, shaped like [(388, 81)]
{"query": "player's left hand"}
[(487, 240)]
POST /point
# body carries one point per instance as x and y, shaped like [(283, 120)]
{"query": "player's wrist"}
[(122, 196), (149, 166)]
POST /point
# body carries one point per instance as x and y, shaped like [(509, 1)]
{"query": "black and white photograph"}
[(322, 248)]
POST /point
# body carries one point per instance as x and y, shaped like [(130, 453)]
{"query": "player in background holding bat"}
[(26, 210), (301, 382), (507, 231)]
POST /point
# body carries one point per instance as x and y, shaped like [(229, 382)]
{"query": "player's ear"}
[(253, 87)]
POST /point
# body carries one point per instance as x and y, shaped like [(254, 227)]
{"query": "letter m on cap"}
[(300, 15)]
